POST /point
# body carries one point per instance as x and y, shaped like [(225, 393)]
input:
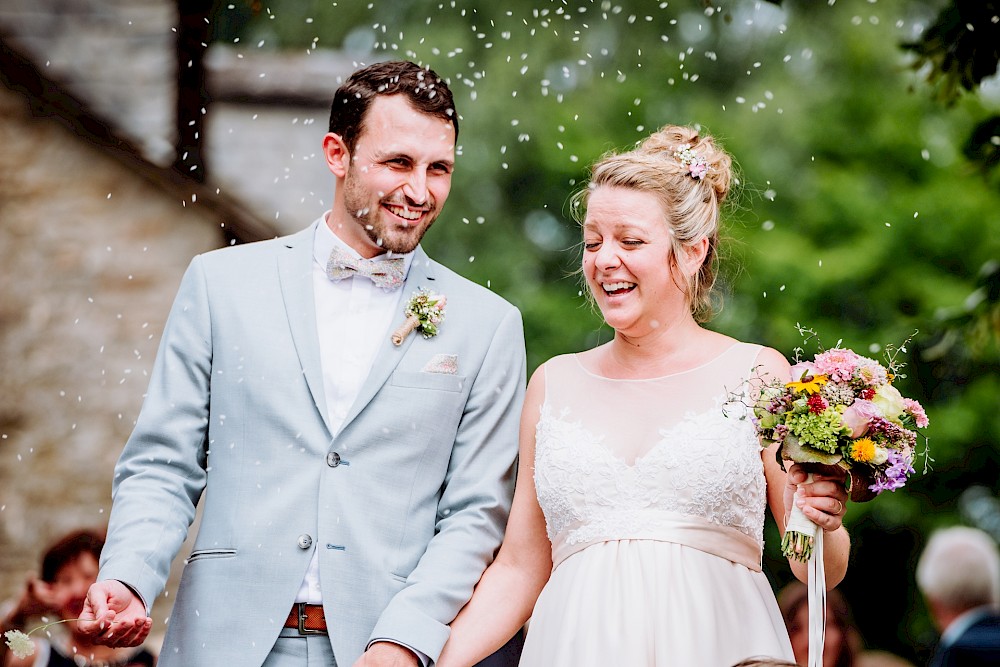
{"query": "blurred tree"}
[(858, 216)]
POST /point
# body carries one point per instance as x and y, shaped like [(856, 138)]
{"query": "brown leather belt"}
[(308, 619)]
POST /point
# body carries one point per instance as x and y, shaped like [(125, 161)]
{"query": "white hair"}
[(960, 569)]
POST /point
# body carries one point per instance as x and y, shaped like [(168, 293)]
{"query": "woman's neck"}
[(662, 351)]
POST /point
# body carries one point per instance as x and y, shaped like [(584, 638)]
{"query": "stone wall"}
[(91, 254), (118, 55)]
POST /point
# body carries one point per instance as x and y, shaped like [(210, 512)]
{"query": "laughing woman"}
[(637, 528)]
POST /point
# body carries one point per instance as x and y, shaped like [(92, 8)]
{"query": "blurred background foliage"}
[(866, 134)]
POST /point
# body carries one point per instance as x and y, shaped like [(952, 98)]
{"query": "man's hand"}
[(387, 654), (114, 616)]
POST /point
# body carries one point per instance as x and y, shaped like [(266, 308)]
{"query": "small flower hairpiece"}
[(697, 166)]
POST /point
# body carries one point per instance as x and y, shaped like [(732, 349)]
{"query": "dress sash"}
[(654, 524)]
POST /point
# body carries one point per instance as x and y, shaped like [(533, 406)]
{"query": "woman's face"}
[(627, 260), (69, 588), (798, 633)]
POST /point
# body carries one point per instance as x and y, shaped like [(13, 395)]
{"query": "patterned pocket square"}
[(442, 363)]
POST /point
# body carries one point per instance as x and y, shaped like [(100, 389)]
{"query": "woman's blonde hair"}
[(691, 175)]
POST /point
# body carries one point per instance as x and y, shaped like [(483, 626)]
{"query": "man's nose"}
[(415, 188)]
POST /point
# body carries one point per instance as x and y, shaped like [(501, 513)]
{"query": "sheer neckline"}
[(705, 364)]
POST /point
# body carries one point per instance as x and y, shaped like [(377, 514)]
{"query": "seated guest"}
[(69, 567), (843, 642), (959, 576)]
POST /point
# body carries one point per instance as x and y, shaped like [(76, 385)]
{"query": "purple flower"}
[(893, 477)]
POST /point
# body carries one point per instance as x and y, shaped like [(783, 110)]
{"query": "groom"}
[(353, 490)]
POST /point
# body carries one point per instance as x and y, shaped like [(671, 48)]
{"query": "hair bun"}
[(670, 140)]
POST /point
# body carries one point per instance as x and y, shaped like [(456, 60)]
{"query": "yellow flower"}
[(809, 384), (863, 450)]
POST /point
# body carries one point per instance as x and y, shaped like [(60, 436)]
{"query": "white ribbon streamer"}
[(817, 603), (816, 584)]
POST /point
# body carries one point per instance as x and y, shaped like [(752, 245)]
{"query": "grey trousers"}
[(295, 650)]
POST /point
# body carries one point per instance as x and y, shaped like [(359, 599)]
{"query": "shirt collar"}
[(325, 240), (963, 622)]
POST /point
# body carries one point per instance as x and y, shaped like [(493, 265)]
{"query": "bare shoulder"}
[(772, 363), (536, 384)]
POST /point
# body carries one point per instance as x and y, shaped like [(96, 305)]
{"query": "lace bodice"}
[(672, 458)]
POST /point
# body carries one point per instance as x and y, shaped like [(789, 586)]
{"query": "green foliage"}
[(961, 47), (860, 216)]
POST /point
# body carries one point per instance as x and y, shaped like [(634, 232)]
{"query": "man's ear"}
[(338, 158)]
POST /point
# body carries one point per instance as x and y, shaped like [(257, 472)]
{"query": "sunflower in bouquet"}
[(840, 409)]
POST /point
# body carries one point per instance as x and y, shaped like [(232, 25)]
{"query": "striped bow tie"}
[(386, 273)]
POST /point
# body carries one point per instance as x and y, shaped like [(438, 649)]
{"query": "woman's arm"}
[(824, 501), (506, 593)]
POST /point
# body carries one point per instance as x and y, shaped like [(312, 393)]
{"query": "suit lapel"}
[(295, 268), (421, 274)]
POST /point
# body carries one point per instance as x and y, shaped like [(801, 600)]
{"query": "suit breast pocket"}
[(436, 381)]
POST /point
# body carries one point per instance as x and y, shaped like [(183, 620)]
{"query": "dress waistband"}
[(722, 541)]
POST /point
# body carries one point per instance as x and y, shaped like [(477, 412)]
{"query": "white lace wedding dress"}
[(653, 493)]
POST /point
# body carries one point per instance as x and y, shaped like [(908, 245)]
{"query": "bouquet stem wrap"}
[(803, 541), (799, 541)]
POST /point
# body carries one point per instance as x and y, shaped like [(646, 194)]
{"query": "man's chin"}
[(402, 242)]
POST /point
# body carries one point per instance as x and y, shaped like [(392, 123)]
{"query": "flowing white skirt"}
[(638, 603)]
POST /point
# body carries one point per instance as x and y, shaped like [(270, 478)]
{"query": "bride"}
[(636, 532)]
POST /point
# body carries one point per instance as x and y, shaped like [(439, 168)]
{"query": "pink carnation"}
[(915, 410), (838, 364), (872, 373)]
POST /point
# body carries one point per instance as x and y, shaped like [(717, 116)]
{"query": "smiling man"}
[(353, 490)]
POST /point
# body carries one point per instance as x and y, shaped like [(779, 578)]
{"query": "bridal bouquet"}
[(840, 409)]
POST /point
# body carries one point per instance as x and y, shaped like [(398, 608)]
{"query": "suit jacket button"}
[(333, 459), (305, 541)]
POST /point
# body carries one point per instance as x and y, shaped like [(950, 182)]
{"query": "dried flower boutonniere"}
[(424, 312)]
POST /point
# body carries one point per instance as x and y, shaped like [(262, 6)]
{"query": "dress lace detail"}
[(708, 465)]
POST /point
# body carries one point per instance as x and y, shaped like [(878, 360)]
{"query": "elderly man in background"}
[(959, 576)]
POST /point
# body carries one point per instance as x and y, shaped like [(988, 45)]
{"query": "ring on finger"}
[(840, 507)]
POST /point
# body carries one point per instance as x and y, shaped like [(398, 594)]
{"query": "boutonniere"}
[(424, 312)]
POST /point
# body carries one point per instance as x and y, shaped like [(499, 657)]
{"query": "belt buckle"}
[(303, 630)]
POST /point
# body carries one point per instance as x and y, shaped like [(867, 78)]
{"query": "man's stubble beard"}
[(372, 224)]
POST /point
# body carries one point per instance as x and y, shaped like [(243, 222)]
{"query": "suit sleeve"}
[(161, 472), (475, 501)]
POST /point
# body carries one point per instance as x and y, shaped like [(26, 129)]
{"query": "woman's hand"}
[(823, 500)]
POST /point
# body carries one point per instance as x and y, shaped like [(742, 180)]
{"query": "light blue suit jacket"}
[(235, 418)]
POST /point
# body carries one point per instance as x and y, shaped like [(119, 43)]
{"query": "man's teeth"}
[(614, 287), (404, 212)]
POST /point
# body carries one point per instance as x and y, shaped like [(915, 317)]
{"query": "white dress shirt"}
[(353, 317)]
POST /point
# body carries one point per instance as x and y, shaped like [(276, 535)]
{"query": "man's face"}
[(398, 178)]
